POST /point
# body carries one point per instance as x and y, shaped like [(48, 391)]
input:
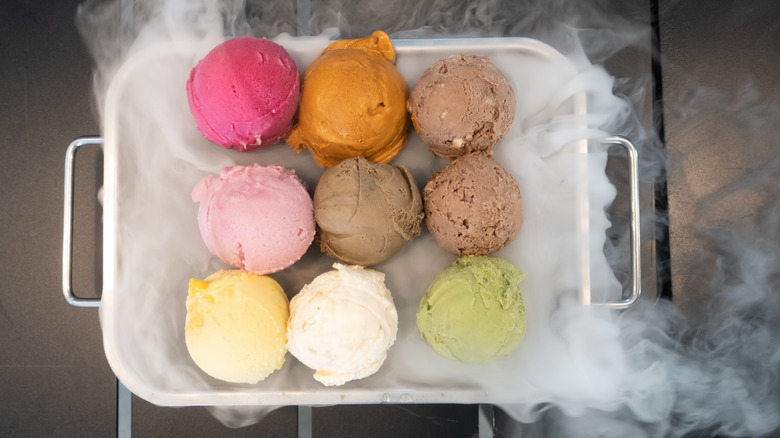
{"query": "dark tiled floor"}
[(396, 420), (721, 93), (153, 421), (54, 379)]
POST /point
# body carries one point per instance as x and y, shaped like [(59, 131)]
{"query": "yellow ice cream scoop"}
[(353, 103), (236, 326)]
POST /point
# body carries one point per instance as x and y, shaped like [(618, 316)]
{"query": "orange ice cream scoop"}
[(353, 103)]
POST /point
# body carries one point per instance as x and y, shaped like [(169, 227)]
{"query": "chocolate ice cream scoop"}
[(366, 211), (473, 206), (462, 104)]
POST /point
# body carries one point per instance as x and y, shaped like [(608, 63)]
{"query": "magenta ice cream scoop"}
[(244, 93)]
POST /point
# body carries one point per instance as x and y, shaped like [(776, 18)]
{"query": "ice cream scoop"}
[(236, 325), (244, 93), (342, 324), (473, 206), (462, 104), (366, 211), (256, 218), (353, 103), (474, 310)]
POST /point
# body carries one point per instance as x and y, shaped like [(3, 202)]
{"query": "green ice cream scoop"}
[(474, 311)]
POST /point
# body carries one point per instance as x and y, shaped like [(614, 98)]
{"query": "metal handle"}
[(67, 228), (636, 272)]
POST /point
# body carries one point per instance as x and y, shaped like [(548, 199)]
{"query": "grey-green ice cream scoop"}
[(474, 310)]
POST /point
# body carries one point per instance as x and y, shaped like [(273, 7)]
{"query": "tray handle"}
[(67, 227), (633, 176)]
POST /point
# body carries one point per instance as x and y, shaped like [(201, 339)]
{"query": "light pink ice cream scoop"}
[(244, 93), (257, 218)]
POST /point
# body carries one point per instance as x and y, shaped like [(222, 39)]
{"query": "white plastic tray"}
[(151, 246)]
